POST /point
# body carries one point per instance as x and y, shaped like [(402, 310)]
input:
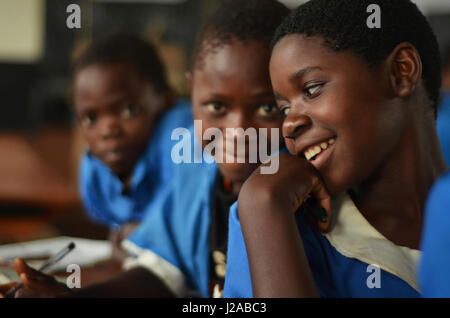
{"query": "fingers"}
[(320, 193), (32, 278), (4, 288), (128, 229), (21, 267), (25, 293), (35, 282)]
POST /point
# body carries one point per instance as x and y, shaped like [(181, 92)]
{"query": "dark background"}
[(35, 94)]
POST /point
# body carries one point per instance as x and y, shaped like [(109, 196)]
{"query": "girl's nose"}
[(236, 120), (295, 124), (110, 127)]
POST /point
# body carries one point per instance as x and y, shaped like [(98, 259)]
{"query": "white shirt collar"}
[(354, 237)]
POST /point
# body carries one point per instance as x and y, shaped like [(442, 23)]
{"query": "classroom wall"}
[(21, 30), (36, 49)]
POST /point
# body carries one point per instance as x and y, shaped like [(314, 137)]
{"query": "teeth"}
[(313, 151), (308, 155), (317, 149)]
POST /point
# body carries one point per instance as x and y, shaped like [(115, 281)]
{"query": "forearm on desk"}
[(137, 282)]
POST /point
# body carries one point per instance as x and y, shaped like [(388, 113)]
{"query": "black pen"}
[(52, 261)]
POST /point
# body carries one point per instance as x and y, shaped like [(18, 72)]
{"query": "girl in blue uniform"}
[(185, 242), (359, 99), (180, 247), (126, 112)]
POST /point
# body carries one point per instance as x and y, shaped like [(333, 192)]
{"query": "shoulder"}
[(90, 167), (193, 182), (433, 275), (86, 162), (237, 278), (443, 116), (437, 218), (180, 115), (161, 142), (439, 196)]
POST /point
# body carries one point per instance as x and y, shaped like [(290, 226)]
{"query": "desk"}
[(26, 179), (29, 182)]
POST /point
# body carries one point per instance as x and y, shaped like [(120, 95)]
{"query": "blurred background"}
[(39, 142)]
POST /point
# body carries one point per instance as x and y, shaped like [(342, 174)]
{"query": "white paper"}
[(86, 253)]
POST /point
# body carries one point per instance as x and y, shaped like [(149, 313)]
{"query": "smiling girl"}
[(359, 108)]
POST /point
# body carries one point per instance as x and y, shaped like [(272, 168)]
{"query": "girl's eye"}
[(267, 110), (129, 111), (284, 111), (313, 90), (215, 107), (88, 120)]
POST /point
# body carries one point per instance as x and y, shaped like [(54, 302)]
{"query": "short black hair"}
[(126, 48), (342, 24), (239, 20)]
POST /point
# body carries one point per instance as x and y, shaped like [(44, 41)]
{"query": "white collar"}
[(354, 237)]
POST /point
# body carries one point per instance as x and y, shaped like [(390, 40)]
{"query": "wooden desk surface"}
[(26, 178)]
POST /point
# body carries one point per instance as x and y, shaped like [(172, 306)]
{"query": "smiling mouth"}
[(313, 152)]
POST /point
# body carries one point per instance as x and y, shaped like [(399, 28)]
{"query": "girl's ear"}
[(405, 68), (188, 76)]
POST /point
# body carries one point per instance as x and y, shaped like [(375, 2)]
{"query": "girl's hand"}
[(266, 206), (36, 284), (117, 236), (287, 189)]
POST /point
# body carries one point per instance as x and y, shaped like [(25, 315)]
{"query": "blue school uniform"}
[(443, 125), (180, 240), (339, 261), (173, 240), (102, 191), (434, 275)]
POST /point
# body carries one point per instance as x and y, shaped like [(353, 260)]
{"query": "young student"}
[(126, 113), (180, 247), (360, 106), (230, 88), (434, 279)]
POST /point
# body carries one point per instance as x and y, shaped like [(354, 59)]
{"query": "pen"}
[(52, 261)]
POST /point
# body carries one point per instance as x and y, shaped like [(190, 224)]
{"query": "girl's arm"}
[(136, 282), (266, 207)]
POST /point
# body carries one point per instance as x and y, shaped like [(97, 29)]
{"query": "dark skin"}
[(222, 96), (231, 90), (117, 110), (137, 282), (385, 146)]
